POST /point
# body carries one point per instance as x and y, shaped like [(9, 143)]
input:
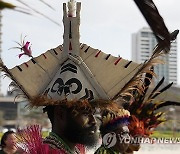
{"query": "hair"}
[(50, 112), (4, 138), (73, 106)]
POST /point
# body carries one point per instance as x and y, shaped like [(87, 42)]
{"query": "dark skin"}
[(132, 147), (74, 128), (123, 132)]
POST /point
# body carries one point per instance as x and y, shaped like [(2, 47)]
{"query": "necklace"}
[(57, 143)]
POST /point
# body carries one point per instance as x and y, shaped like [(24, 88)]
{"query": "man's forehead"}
[(125, 128), (122, 127), (88, 110)]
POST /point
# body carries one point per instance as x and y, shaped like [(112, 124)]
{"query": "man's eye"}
[(85, 114)]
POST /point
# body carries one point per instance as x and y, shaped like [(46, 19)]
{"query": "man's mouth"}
[(92, 130)]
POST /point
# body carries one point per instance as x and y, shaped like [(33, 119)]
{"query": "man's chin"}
[(88, 138), (92, 132), (91, 139)]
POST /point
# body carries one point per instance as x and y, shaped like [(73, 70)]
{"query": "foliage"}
[(165, 134)]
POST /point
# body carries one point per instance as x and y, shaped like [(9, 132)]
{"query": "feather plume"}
[(110, 119), (162, 90), (147, 82), (160, 47), (137, 81), (5, 5), (47, 4), (155, 21), (167, 103), (174, 34), (157, 86), (136, 127), (31, 141), (14, 85), (144, 108), (38, 12)]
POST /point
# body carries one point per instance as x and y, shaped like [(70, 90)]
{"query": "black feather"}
[(174, 34), (155, 21), (167, 103), (162, 90), (157, 86)]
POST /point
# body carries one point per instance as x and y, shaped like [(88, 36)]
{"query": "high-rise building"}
[(143, 43)]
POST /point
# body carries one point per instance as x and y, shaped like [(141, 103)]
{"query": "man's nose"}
[(92, 119)]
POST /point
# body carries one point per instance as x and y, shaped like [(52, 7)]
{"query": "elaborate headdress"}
[(111, 120), (144, 109), (75, 71), (72, 71), (140, 99)]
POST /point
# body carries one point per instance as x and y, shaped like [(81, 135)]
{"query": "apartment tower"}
[(143, 43)]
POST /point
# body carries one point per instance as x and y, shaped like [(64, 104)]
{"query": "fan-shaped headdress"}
[(72, 71), (76, 71)]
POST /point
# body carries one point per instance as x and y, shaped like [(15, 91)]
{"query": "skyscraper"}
[(143, 43)]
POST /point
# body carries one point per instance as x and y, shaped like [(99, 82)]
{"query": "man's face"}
[(82, 128), (136, 145), (122, 143)]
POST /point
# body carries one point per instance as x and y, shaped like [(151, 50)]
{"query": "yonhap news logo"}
[(109, 139), (153, 140)]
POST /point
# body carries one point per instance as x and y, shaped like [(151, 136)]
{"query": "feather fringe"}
[(76, 104), (14, 86)]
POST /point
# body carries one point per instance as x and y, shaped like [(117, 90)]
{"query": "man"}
[(115, 132), (71, 127), (73, 130)]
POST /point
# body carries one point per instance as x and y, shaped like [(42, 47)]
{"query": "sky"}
[(105, 24)]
